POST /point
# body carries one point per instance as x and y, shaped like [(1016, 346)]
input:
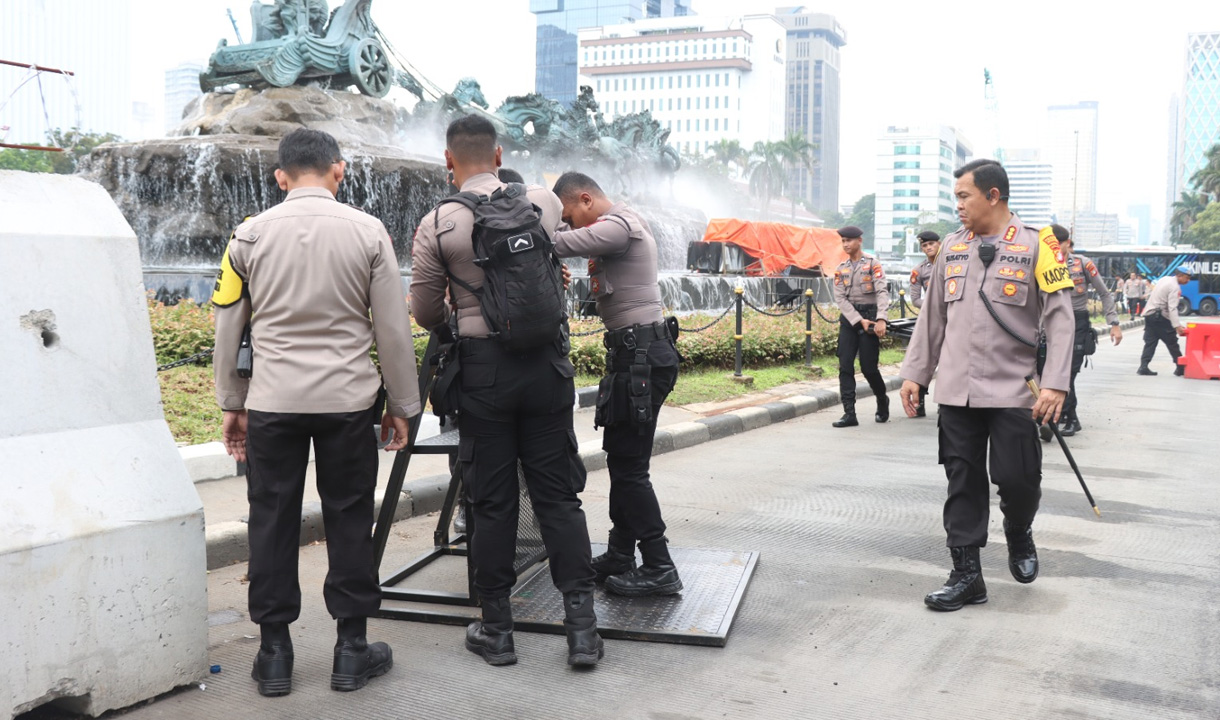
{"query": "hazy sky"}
[(905, 63)]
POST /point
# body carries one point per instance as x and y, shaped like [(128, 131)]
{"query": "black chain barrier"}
[(795, 308), (186, 360), (818, 310), (705, 327)]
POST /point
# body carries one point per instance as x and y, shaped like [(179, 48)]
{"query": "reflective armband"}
[(229, 285), (1051, 270)]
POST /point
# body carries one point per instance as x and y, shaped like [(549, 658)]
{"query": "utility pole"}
[(1075, 182)]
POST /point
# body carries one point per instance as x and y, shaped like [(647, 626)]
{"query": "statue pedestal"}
[(102, 555)]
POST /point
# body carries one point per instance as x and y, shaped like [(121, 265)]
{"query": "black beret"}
[(1061, 233), (928, 236), (851, 231)]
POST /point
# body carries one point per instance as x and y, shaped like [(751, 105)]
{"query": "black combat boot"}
[(493, 637), (965, 585), (1144, 370), (618, 558), (1070, 426), (849, 417), (883, 408), (1022, 555), (585, 646), (1180, 371), (273, 664), (656, 576), (357, 659)]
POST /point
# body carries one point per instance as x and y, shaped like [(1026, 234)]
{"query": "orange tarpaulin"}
[(777, 245)]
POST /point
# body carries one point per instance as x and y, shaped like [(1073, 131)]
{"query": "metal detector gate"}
[(715, 580)]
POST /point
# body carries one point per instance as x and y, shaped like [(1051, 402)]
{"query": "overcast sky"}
[(905, 63)]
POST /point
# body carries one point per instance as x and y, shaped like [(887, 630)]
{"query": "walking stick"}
[(1033, 387)]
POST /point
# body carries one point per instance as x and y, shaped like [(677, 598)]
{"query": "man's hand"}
[(1116, 334), (401, 429), (865, 324), (909, 394), (1181, 330), (233, 432), (1049, 405), (879, 327), (567, 276)]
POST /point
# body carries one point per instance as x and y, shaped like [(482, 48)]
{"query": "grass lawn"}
[(193, 417)]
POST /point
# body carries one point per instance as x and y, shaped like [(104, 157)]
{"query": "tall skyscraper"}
[(1197, 114), (1030, 180), (1070, 146), (704, 79), (556, 66), (181, 87), (915, 181), (87, 37), (812, 106)]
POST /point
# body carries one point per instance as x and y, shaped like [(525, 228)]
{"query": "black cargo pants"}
[(853, 342), (634, 508), (518, 406), (971, 439), (1078, 346), (1157, 328), (345, 462)]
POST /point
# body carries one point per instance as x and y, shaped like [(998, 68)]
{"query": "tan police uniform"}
[(982, 368), (1084, 273), (862, 292), (306, 275), (919, 282), (513, 406)]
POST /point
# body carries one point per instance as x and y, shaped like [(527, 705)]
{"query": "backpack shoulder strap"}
[(470, 201)]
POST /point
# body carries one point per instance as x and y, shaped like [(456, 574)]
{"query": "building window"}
[(696, 81), (633, 106), (906, 206), (906, 149), (898, 234), (688, 124), (688, 103), (652, 83), (696, 124), (599, 85), (633, 83), (906, 164), (717, 102), (717, 125), (615, 84), (650, 105), (671, 104), (671, 81), (906, 178), (717, 79)]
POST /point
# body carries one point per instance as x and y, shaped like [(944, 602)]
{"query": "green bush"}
[(180, 330)]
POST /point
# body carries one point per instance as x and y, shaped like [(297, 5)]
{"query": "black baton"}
[(1033, 387)]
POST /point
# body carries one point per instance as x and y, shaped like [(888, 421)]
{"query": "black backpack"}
[(522, 296)]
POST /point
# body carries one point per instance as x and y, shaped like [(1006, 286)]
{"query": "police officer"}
[(929, 242), (513, 406), (305, 275), (1161, 323), (862, 294), (641, 370), (1083, 273), (995, 283), (1135, 290)]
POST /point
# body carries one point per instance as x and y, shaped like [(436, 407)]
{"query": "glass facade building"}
[(556, 67), (1198, 113)]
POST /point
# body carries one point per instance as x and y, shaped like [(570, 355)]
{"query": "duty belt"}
[(864, 307), (636, 336)]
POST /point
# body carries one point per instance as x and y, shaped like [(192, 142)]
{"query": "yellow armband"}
[(229, 285), (1051, 270)]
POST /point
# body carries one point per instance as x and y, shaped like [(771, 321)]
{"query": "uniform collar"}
[(309, 192), (482, 184)]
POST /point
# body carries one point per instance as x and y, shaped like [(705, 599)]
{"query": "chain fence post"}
[(809, 328), (902, 302), (737, 337)]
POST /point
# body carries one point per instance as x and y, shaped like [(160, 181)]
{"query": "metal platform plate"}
[(714, 583)]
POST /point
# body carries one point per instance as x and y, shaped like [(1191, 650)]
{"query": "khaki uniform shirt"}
[(1084, 273), (919, 282), (1137, 288), (313, 270), (1164, 299), (446, 231), (622, 266), (861, 282), (979, 364)]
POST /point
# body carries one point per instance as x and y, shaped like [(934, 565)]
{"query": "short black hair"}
[(1061, 233), (471, 138), (306, 150), (573, 183), (988, 174), (508, 175)]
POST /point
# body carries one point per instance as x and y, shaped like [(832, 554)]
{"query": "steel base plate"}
[(714, 583)]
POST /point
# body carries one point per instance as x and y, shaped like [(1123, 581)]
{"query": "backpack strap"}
[(470, 201)]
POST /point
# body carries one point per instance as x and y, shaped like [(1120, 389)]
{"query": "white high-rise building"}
[(1029, 186), (915, 181), (1195, 117), (1070, 146), (89, 38), (704, 79), (181, 87)]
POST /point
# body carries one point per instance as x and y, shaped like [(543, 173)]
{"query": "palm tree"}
[(730, 154), (1207, 178), (797, 152), (767, 173), (1186, 210)]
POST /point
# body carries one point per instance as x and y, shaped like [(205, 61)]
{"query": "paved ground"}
[(1123, 622)]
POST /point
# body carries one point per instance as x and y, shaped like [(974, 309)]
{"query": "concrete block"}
[(208, 461), (720, 426), (803, 404), (780, 411), (825, 398), (687, 434), (102, 553), (752, 418)]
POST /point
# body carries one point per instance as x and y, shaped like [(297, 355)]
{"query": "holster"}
[(445, 385), (245, 354), (626, 395)]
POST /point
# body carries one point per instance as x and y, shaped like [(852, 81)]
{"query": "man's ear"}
[(339, 169), (499, 156), (586, 199), (281, 179), (448, 159)]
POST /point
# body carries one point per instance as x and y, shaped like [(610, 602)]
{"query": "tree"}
[(767, 173), (1204, 233), (27, 160), (797, 152), (1185, 210), (1206, 179), (863, 214), (76, 145), (730, 154), (940, 227), (832, 218)]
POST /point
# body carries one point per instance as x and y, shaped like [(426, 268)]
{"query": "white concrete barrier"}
[(103, 588)]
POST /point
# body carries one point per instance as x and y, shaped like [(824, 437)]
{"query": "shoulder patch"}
[(1050, 270), (229, 285), (959, 247)]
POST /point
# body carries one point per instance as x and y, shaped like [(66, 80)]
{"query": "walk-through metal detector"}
[(715, 580)]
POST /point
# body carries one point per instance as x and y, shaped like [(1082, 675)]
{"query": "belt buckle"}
[(629, 338)]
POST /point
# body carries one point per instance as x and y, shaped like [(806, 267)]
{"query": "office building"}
[(1195, 117), (1070, 146), (704, 79), (87, 37), (812, 102), (555, 65), (1030, 181), (1094, 229), (915, 182), (181, 87), (1141, 215)]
